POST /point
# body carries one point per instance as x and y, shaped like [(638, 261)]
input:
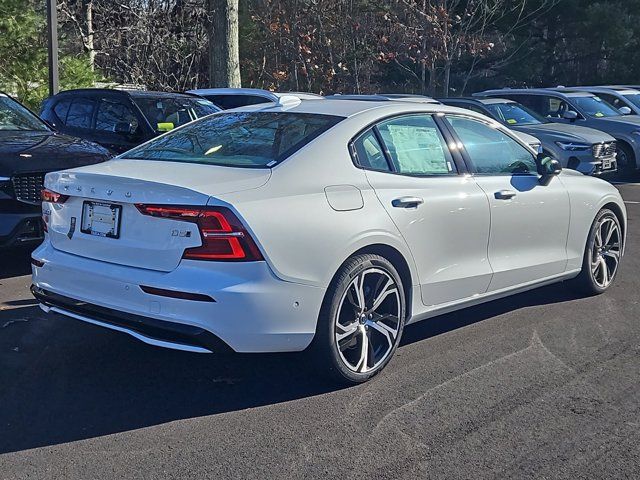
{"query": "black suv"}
[(121, 119), (28, 150)]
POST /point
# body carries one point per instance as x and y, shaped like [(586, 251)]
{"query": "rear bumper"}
[(253, 310)]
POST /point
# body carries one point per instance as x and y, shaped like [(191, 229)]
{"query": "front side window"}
[(14, 116), (238, 139), (555, 107), (416, 146), (166, 113), (514, 114), (111, 113), (634, 98), (491, 151), (595, 107)]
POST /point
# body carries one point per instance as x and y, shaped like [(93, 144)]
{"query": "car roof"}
[(380, 97), (534, 91), (351, 107), (477, 100), (132, 93), (609, 89)]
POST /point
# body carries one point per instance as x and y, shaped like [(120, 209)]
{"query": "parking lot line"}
[(631, 202)]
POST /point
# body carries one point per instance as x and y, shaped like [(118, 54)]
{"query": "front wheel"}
[(602, 254), (361, 320)]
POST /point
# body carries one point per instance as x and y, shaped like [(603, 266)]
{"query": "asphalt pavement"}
[(540, 385)]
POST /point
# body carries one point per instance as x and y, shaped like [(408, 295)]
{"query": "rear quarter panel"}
[(303, 238)]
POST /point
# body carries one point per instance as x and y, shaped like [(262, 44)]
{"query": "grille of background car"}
[(604, 149), (27, 187)]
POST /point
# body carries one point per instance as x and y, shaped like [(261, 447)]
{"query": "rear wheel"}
[(602, 254), (361, 320)]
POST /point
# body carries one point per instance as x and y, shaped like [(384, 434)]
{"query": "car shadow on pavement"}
[(62, 380), (15, 262)]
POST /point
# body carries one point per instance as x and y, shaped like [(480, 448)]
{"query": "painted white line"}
[(631, 202), (626, 183)]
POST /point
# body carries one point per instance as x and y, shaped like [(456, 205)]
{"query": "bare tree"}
[(224, 49)]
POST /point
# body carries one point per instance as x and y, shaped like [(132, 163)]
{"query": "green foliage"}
[(23, 55)]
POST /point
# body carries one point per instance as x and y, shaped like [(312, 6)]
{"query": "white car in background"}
[(330, 224)]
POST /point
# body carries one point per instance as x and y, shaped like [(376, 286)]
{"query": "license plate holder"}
[(607, 163), (101, 219)]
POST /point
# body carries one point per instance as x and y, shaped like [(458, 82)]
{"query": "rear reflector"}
[(36, 263), (224, 237), (53, 197), (198, 297)]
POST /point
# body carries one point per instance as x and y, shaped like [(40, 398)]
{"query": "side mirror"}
[(548, 168), (625, 110), (570, 115), (124, 128)]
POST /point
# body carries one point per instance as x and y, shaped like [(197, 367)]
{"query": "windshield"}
[(166, 113), (14, 116), (242, 139), (514, 114), (634, 98), (596, 107)]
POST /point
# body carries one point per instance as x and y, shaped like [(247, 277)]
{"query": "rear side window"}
[(490, 150), (416, 146), (61, 109), (242, 139), (369, 153), (80, 113)]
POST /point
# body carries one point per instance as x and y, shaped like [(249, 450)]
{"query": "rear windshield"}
[(239, 139), (166, 113)]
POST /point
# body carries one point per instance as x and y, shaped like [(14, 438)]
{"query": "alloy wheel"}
[(368, 320), (605, 254)]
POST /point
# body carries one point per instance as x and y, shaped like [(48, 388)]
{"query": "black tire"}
[(331, 358), (626, 161), (587, 282)]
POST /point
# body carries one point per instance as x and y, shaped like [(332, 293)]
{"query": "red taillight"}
[(223, 235), (52, 197)]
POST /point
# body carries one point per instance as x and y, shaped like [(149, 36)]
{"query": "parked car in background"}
[(584, 109), (121, 119), (625, 99), (587, 150), (28, 150), (329, 224), (228, 98)]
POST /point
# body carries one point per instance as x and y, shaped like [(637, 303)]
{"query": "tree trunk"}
[(224, 55), (90, 33)]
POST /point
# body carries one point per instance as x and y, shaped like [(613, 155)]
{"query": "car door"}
[(442, 214), (78, 120), (117, 127), (529, 219)]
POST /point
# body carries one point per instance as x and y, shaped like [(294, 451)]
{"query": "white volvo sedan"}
[(328, 224)]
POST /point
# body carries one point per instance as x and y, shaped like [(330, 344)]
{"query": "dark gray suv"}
[(589, 151), (585, 109)]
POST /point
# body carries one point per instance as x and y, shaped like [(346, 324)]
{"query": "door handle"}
[(407, 202), (505, 194)]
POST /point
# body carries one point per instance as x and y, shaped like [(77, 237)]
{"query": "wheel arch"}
[(627, 145), (619, 213), (399, 262)]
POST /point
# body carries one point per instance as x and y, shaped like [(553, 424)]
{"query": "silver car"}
[(575, 107), (586, 150), (319, 224)]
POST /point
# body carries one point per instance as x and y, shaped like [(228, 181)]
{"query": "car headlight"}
[(4, 179), (573, 146)]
